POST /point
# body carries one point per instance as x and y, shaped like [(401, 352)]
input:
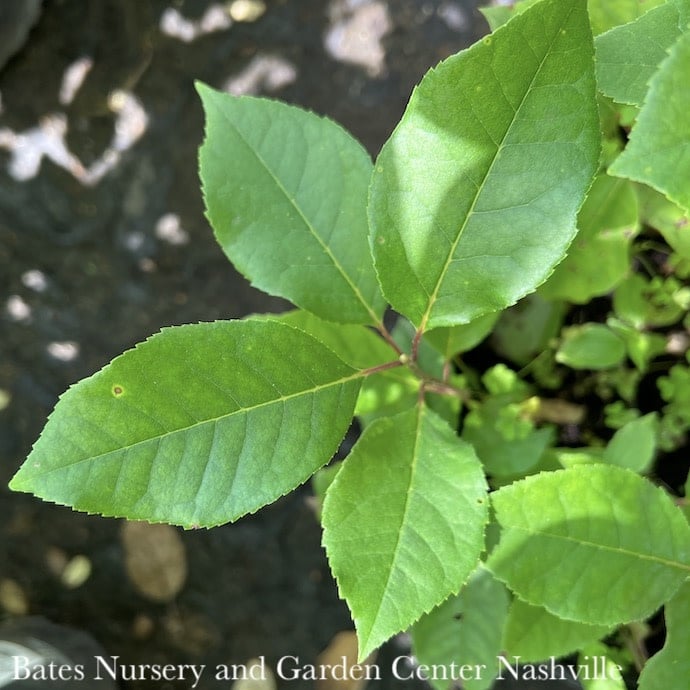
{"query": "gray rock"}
[(16, 19)]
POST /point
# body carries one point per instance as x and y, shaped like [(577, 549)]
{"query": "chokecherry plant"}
[(539, 168)]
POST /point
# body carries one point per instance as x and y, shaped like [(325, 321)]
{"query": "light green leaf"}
[(403, 522), (642, 347), (195, 426), (534, 634), (658, 152), (286, 194), (628, 56), (594, 544), (590, 346), (643, 303), (474, 197), (465, 631), (670, 668), (633, 446), (599, 257), (570, 457), (600, 671), (606, 14)]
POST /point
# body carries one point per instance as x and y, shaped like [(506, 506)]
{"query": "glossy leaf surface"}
[(567, 532), (286, 193), (475, 195), (195, 426), (403, 522)]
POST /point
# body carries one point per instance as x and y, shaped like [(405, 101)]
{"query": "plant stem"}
[(634, 641), (383, 367), (386, 335), (443, 388), (415, 343)]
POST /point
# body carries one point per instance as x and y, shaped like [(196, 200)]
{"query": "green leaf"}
[(658, 152), (633, 446), (465, 630), (590, 346), (606, 14), (507, 444), (628, 56), (386, 394), (594, 544), (403, 522), (358, 346), (670, 668), (600, 671), (643, 303), (570, 457), (642, 347), (534, 634), (286, 194), (474, 197), (599, 257), (195, 426)]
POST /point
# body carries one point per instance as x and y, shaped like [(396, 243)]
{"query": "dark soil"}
[(261, 586)]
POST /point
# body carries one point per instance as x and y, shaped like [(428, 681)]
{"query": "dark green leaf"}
[(286, 194)]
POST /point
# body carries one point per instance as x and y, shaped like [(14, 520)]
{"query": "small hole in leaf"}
[(118, 390)]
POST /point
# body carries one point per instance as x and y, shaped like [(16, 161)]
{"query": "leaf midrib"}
[(434, 295), (403, 521), (293, 202), (200, 423), (677, 565)]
